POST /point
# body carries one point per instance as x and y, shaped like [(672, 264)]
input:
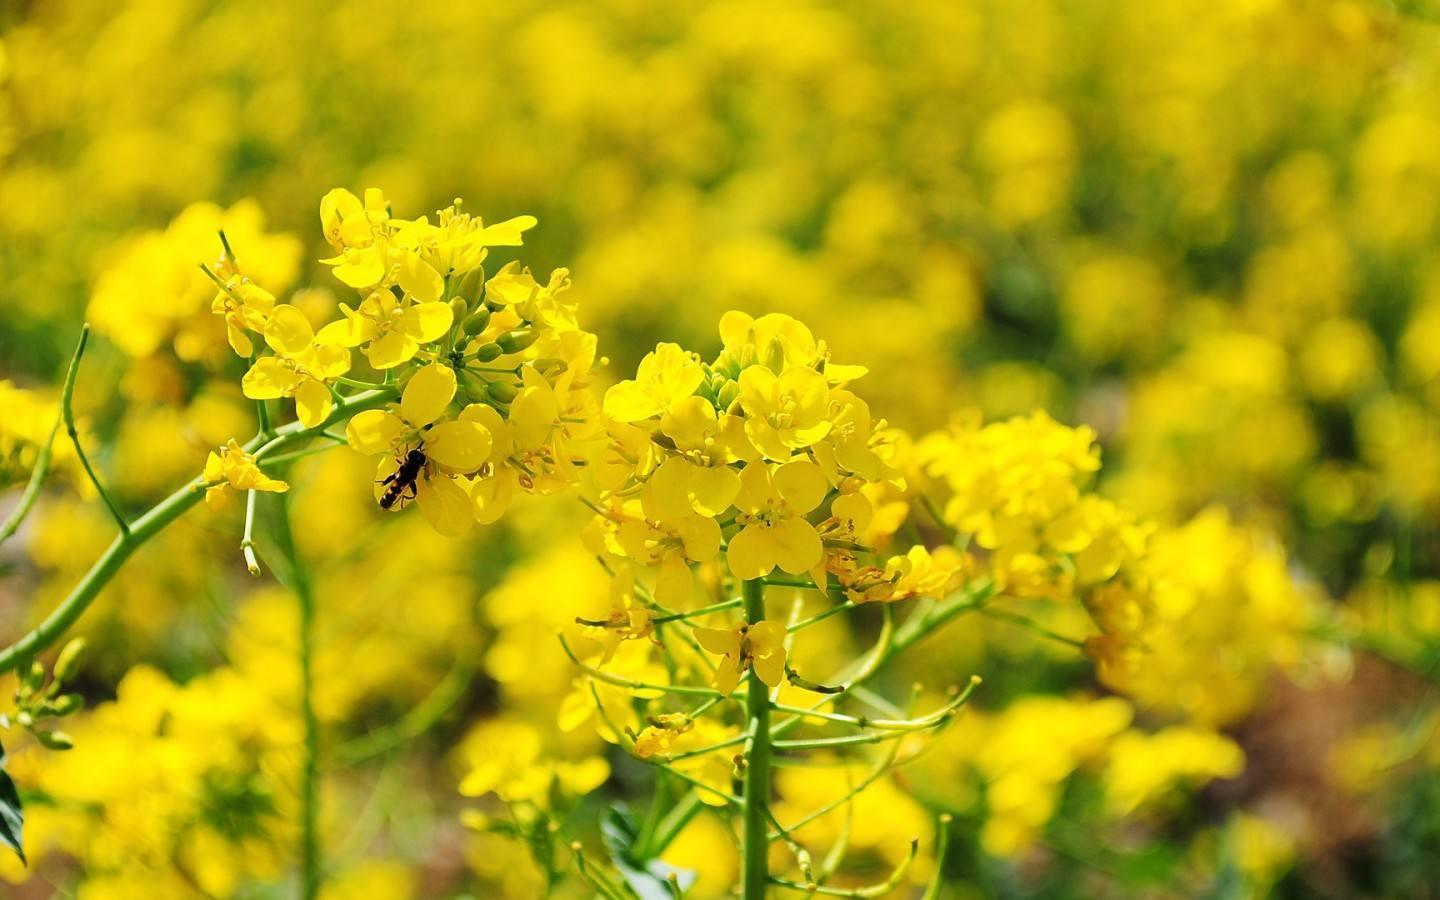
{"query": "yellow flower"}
[(657, 738), (773, 502), (233, 467), (627, 618), (784, 413), (666, 375), (301, 368), (395, 330), (349, 223), (447, 450), (245, 306), (760, 646)]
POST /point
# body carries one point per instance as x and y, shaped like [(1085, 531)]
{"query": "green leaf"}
[(11, 815), (650, 879)]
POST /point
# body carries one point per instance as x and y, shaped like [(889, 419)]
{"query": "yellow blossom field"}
[(632, 450)]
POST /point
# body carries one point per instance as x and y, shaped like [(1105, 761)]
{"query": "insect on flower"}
[(400, 485)]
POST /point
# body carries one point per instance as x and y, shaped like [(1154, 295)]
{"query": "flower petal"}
[(445, 505), (312, 402), (794, 545), (721, 641), (426, 322), (269, 379), (459, 446), (418, 279), (750, 553), (802, 484), (770, 669), (394, 348), (373, 431), (287, 331), (427, 395), (712, 490)]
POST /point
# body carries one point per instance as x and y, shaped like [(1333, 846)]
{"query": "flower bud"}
[(68, 663), (502, 391), (458, 309), (517, 340), (55, 740), (774, 355), (727, 395), (33, 680), (469, 285), (475, 387), (475, 323), (65, 704), (487, 352)]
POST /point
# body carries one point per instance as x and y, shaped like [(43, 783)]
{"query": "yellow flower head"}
[(234, 468), (760, 646), (773, 502)]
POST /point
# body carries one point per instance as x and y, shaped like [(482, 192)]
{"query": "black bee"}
[(400, 484)]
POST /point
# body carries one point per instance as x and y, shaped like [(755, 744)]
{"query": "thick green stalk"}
[(310, 763), (755, 877), (154, 521)]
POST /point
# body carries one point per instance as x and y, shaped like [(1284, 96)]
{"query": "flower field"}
[(954, 449)]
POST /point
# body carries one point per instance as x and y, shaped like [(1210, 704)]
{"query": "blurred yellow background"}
[(1207, 230)]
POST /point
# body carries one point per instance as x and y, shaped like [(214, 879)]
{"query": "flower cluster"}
[(492, 372)]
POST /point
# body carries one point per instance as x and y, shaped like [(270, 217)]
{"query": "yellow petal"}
[(459, 446), (750, 554), (490, 497), (373, 431), (312, 402), (802, 484), (766, 637), (666, 497), (491, 420), (505, 234), (770, 669), (759, 391), (287, 331), (754, 491), (712, 490), (394, 348), (727, 675), (701, 537), (426, 322), (269, 379), (721, 641), (533, 415), (360, 268), (445, 505), (418, 279), (628, 402), (427, 395), (674, 585), (795, 545), (239, 341)]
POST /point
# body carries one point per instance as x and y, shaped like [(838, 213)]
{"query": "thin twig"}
[(68, 412)]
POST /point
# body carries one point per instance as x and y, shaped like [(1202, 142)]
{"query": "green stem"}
[(755, 876), (33, 486), (150, 524), (310, 767), (674, 822), (67, 411), (247, 537)]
